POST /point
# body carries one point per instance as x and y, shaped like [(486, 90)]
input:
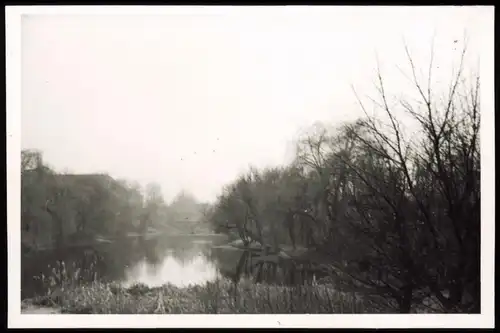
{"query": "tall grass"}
[(61, 278), (211, 298)]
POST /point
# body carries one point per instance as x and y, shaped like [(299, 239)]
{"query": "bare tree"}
[(437, 177)]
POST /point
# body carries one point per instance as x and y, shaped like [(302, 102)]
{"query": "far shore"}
[(98, 239)]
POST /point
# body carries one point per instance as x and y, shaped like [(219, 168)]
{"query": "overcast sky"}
[(189, 101)]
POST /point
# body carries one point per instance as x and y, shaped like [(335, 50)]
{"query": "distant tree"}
[(185, 207), (57, 207), (36, 224), (153, 206), (31, 160)]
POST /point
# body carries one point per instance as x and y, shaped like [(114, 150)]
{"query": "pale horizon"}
[(191, 101)]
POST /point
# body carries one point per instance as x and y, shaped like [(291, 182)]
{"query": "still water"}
[(196, 270), (180, 260)]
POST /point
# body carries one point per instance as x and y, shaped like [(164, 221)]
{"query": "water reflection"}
[(238, 264), (180, 260), (181, 273)]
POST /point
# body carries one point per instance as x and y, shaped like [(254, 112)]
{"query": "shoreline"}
[(100, 240)]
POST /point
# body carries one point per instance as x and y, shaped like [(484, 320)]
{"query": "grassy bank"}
[(213, 297)]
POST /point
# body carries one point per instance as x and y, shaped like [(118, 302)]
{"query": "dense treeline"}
[(68, 209), (377, 210)]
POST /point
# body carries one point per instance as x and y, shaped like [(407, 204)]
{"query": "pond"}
[(179, 260)]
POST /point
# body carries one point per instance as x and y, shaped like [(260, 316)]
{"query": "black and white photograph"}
[(320, 161)]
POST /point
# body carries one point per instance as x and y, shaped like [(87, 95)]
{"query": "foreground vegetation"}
[(214, 297), (66, 292)]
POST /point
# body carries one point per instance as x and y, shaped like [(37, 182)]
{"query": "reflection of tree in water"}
[(105, 262), (186, 255), (152, 269), (184, 250), (117, 257), (110, 262), (71, 265), (151, 250), (234, 265), (83, 264), (155, 249)]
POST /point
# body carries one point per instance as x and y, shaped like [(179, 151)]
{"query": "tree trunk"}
[(405, 301)]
